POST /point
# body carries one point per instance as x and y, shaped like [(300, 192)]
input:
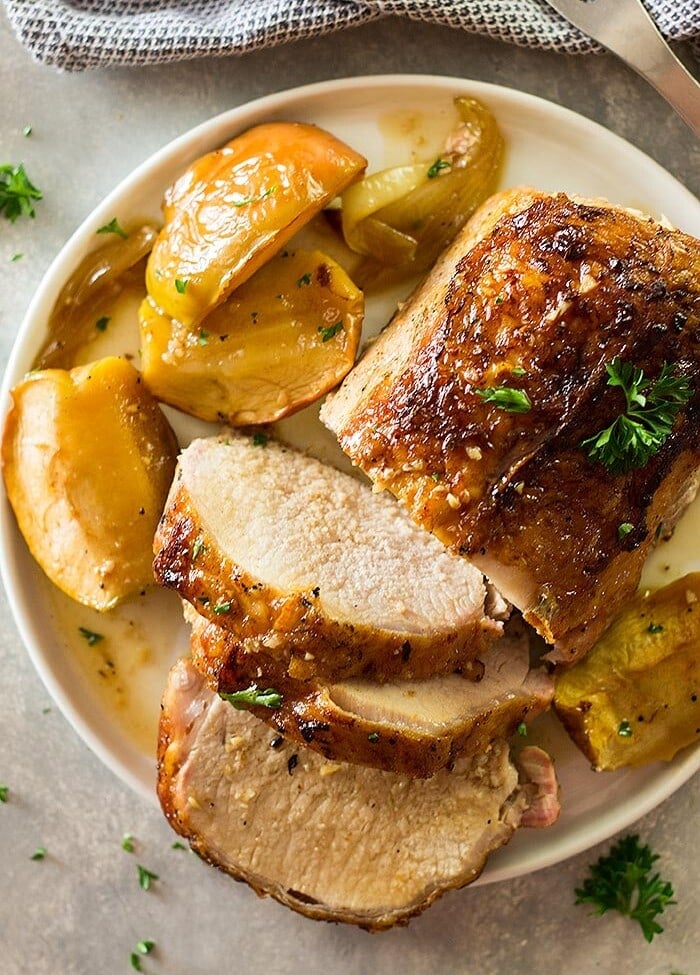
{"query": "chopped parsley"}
[(437, 167), (655, 628), (177, 845), (625, 729), (27, 131), (89, 635), (647, 421), (304, 280), (17, 192), (39, 853), (113, 228), (330, 331), (16, 257), (142, 948), (4, 793), (247, 200), (102, 323), (260, 439), (203, 337), (519, 371), (197, 548), (522, 729), (222, 608), (180, 286), (373, 736), (128, 843), (253, 697), (624, 529), (145, 877), (622, 881), (506, 398)]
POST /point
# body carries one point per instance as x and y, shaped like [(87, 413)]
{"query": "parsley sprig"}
[(269, 698), (650, 410), (17, 192), (622, 881)]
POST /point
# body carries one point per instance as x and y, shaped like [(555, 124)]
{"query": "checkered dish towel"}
[(78, 34)]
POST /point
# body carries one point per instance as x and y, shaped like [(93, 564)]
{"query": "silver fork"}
[(626, 29)]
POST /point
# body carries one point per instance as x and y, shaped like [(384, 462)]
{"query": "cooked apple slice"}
[(634, 699), (282, 340), (234, 208), (88, 458)]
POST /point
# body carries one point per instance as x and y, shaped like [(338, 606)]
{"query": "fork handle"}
[(672, 80), (647, 52)]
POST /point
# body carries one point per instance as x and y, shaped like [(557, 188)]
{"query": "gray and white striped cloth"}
[(78, 34)]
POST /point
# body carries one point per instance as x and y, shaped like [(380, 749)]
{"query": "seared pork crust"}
[(538, 294), (342, 582), (332, 841), (414, 727)]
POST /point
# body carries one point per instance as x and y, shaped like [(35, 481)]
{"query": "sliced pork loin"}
[(538, 294), (332, 841), (310, 566), (414, 727)]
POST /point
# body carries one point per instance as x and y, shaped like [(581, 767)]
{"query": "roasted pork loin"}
[(538, 293), (415, 727), (309, 567), (333, 841)]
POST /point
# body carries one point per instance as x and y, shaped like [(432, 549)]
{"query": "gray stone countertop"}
[(80, 910)]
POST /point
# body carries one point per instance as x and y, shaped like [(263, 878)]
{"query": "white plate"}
[(390, 119)]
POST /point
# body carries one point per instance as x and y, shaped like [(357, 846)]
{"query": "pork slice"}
[(414, 727), (309, 565), (539, 293), (333, 841)]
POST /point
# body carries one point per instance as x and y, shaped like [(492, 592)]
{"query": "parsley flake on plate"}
[(113, 227), (90, 636), (437, 167), (145, 877)]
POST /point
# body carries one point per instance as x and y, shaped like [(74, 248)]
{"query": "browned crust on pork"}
[(291, 628), (556, 287), (308, 715)]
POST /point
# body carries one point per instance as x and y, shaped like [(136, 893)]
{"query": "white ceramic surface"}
[(389, 119)]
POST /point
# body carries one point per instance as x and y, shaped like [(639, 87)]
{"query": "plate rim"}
[(625, 811)]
